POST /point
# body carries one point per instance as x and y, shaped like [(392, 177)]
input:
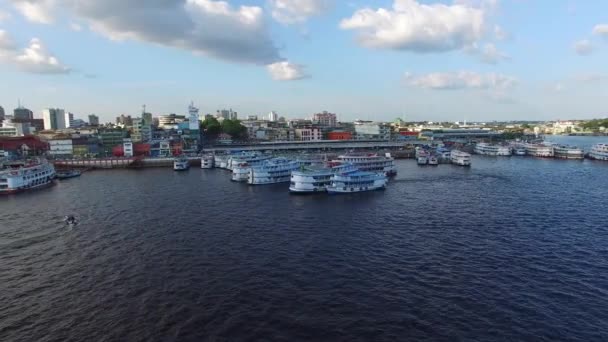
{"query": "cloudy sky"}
[(368, 59)]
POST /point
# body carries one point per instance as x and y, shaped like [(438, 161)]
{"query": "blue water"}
[(509, 249), (583, 142)]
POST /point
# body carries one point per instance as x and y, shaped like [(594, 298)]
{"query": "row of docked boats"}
[(457, 157), (543, 150), (346, 174)]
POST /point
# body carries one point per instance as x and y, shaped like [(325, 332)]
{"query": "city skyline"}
[(479, 60)]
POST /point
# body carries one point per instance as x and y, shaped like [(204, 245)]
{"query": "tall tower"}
[(193, 117)]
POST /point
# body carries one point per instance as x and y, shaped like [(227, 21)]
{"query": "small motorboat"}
[(70, 220), (433, 160), (67, 174)]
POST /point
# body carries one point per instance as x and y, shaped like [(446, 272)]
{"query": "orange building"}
[(339, 136)]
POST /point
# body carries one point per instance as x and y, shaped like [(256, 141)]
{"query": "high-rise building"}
[(273, 116), (124, 120), (69, 120), (324, 119), (22, 113), (227, 114), (193, 124), (1, 114), (54, 118), (93, 120), (147, 117), (141, 131)]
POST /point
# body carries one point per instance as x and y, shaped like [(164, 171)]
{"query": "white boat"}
[(444, 153), (539, 150), (26, 176), (460, 158), (181, 164), (207, 162), (358, 181), (422, 160), (371, 162), (433, 160), (599, 152), (493, 150), (568, 152), (313, 179), (221, 160), (241, 165), (276, 170)]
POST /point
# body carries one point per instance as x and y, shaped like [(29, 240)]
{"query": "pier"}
[(326, 145)]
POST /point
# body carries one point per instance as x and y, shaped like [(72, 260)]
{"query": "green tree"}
[(235, 129), (211, 127)]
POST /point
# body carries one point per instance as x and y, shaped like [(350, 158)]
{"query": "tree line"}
[(212, 128)]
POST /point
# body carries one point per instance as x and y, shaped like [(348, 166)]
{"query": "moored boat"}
[(433, 160), (460, 158), (568, 152), (181, 164), (311, 179), (276, 170), (358, 181), (24, 176), (66, 174), (371, 162), (492, 150), (539, 150), (599, 152), (207, 162)]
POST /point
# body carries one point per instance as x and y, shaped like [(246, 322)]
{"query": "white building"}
[(69, 120), (367, 130), (8, 128), (127, 147), (308, 134), (325, 119), (61, 147), (193, 124), (54, 118), (273, 116)]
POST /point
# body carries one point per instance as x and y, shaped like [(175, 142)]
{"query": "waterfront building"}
[(109, 138), (22, 113), (85, 146), (339, 135), (308, 134), (54, 118), (127, 148), (27, 145), (141, 132), (170, 121), (61, 148), (325, 119), (10, 128), (368, 130), (93, 120)]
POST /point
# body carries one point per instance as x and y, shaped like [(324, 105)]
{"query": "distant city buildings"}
[(22, 113), (369, 130), (226, 114), (124, 121), (69, 120), (273, 116), (1, 114), (325, 119), (93, 120), (54, 118), (170, 121)]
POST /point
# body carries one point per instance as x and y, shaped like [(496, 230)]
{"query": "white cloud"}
[(601, 30), (286, 71), (418, 27), (35, 58), (205, 27), (489, 54), (75, 27), (4, 16), (461, 80), (500, 33), (583, 47), (38, 11), (297, 11)]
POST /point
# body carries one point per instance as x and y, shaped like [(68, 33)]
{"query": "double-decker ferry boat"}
[(599, 152), (358, 181), (539, 150), (181, 164), (422, 157), (221, 160), (443, 153), (207, 162), (460, 158), (568, 152), (240, 166), (371, 162), (492, 150), (276, 170), (310, 179), (25, 176)]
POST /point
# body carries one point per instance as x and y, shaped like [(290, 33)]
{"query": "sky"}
[(476, 60)]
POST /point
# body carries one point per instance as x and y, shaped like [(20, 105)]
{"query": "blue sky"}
[(367, 59)]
